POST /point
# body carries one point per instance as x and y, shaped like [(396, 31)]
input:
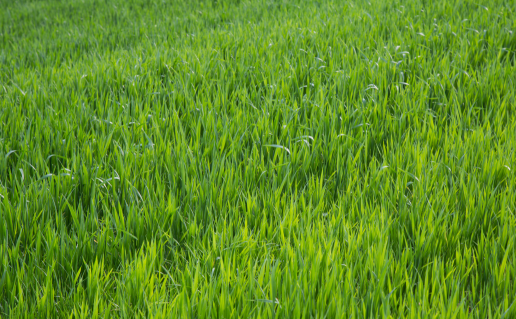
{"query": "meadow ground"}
[(257, 159)]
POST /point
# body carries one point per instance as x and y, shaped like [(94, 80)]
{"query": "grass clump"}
[(268, 159)]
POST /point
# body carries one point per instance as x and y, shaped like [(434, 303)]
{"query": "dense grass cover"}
[(271, 159)]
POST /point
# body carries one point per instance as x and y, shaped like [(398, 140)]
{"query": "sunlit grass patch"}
[(257, 159)]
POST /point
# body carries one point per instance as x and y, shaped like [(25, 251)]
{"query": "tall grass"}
[(267, 159)]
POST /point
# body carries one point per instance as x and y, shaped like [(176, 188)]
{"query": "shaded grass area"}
[(257, 159)]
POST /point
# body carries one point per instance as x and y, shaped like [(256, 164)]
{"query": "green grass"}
[(257, 159)]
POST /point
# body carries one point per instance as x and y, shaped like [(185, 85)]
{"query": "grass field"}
[(257, 159)]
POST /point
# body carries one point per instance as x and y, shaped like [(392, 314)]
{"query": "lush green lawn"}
[(286, 159)]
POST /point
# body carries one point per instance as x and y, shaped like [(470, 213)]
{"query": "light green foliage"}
[(257, 159)]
